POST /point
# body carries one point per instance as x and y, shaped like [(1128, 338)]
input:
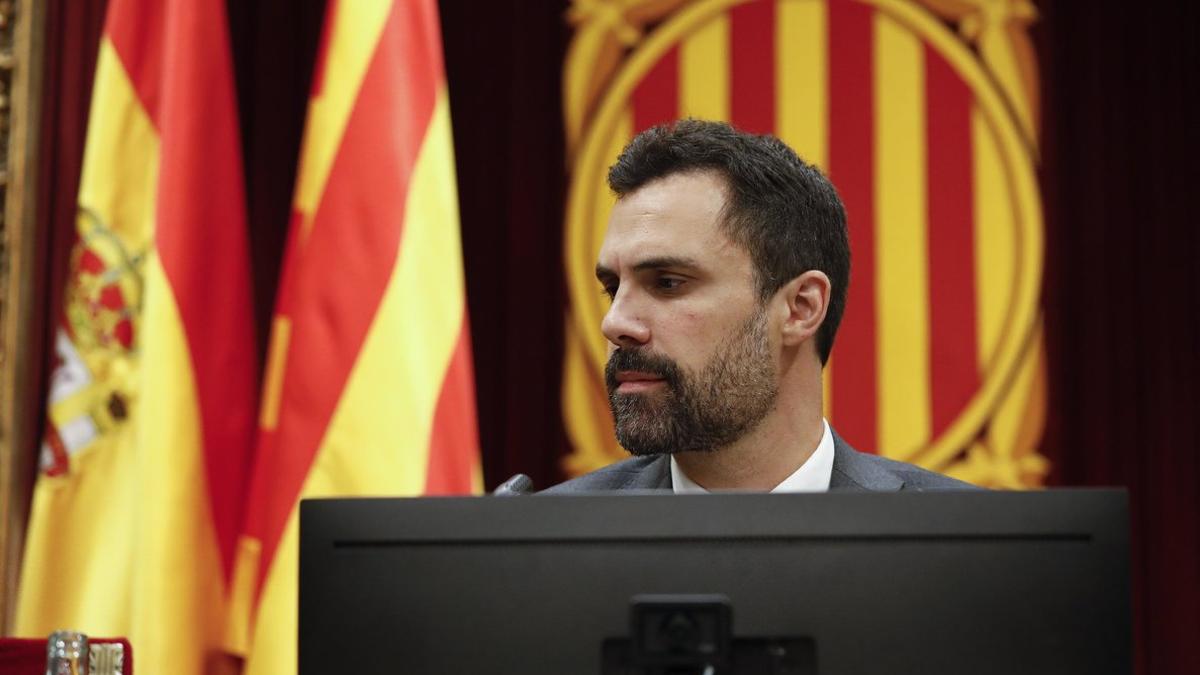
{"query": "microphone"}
[(520, 484)]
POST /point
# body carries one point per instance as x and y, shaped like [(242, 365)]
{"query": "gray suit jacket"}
[(852, 471)]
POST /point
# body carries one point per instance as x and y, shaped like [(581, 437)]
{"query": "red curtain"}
[(1122, 294)]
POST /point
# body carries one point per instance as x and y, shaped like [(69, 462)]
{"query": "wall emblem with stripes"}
[(924, 115)]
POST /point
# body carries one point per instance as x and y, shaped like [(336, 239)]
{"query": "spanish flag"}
[(140, 498), (368, 387)]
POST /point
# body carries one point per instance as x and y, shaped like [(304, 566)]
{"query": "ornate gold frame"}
[(22, 41)]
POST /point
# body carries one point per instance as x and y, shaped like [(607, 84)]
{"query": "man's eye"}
[(609, 292), (668, 283)]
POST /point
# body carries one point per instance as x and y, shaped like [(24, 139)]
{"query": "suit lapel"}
[(855, 472)]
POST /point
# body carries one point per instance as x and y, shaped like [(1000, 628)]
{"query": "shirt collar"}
[(812, 476)]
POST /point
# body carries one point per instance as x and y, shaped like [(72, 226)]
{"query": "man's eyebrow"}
[(664, 261), (657, 262)]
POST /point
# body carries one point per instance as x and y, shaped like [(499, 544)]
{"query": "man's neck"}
[(764, 457)]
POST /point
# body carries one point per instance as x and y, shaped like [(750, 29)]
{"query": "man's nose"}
[(622, 324)]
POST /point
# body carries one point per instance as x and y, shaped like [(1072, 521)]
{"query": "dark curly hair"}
[(781, 209)]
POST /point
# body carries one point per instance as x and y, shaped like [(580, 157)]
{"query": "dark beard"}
[(695, 412)]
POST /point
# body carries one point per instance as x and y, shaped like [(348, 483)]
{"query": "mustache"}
[(642, 361)]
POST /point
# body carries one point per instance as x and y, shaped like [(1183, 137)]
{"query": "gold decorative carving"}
[(21, 50), (106, 658), (605, 30), (999, 29)]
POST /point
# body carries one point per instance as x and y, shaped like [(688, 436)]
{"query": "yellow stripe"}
[(281, 336), (120, 160), (352, 41), (802, 78), (901, 240), (242, 589), (827, 389), (177, 576), (995, 247), (80, 531), (377, 442), (605, 199), (802, 98), (273, 642), (704, 71)]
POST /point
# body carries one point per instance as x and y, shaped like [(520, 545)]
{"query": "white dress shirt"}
[(812, 476)]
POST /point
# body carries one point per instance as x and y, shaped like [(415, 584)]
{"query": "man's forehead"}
[(698, 193), (677, 216)]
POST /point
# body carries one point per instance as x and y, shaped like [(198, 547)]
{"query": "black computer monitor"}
[(920, 583)]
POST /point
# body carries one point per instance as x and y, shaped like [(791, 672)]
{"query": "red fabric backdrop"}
[(1122, 295)]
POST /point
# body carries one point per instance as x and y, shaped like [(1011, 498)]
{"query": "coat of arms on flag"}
[(91, 386), (923, 113)]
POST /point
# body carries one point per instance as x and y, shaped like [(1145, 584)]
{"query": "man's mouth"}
[(635, 381)]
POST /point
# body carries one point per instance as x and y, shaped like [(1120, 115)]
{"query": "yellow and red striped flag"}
[(368, 387), (137, 509)]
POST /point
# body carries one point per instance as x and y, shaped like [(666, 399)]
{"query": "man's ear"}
[(807, 300)]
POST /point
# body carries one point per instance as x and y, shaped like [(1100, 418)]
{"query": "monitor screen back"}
[(883, 583)]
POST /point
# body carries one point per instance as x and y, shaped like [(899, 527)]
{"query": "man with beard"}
[(726, 261)]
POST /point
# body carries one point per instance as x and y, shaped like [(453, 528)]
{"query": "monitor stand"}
[(693, 635)]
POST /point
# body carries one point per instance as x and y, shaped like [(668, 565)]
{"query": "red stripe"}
[(338, 275), (454, 442), (656, 97), (137, 31), (851, 167), (954, 373), (201, 240), (752, 66)]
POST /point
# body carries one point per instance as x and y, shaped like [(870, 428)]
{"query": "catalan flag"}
[(138, 505), (368, 387)]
